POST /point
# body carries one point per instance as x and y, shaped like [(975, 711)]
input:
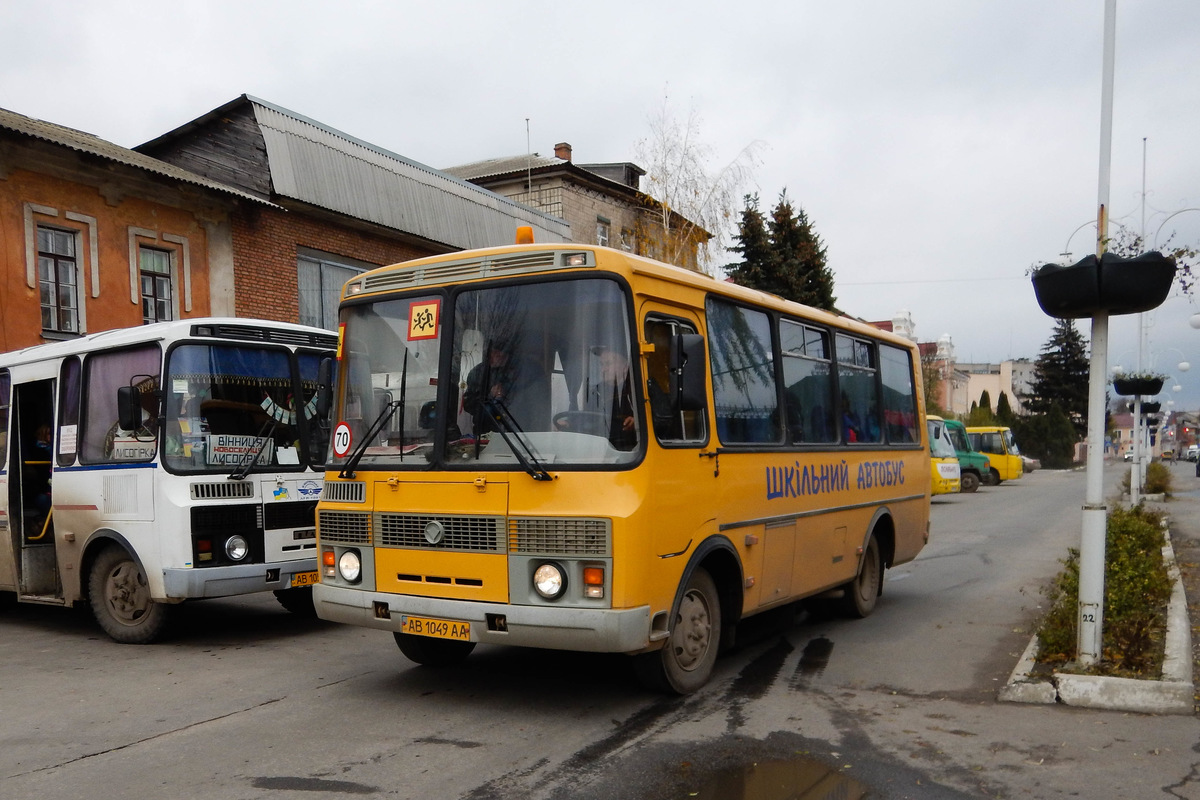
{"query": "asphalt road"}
[(247, 701)]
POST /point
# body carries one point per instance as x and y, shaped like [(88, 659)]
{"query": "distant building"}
[(1014, 378), (602, 203)]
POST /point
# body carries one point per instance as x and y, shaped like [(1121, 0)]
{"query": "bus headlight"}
[(236, 547), (549, 581), (350, 566)]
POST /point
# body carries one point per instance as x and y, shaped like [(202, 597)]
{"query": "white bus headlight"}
[(236, 547), (549, 581), (350, 566)]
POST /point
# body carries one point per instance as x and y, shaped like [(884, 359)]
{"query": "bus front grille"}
[(441, 532), (345, 527), (344, 491), (560, 537), (222, 491)]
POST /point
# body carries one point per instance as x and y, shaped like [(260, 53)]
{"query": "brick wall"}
[(264, 258)]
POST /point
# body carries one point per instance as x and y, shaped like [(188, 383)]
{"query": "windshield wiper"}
[(385, 414), (499, 412), (264, 435)]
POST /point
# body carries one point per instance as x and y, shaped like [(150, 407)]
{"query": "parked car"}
[(1030, 463), (1192, 453)]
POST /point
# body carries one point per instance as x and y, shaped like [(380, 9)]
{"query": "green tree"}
[(1004, 412), (1048, 437), (981, 413), (792, 264), (1060, 376)]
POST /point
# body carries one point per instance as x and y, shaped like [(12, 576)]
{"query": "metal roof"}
[(494, 167), (316, 164), (93, 145)]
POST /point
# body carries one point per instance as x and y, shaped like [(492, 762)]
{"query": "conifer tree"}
[(1060, 376), (783, 256)]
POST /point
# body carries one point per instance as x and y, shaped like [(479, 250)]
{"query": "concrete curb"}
[(1172, 694)]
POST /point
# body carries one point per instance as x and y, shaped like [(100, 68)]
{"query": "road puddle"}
[(795, 779)]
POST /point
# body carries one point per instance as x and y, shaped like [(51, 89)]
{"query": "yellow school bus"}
[(997, 443), (944, 472), (573, 447)]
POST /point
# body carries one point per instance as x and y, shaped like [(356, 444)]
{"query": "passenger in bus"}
[(851, 429), (506, 376), (615, 394), (37, 478)]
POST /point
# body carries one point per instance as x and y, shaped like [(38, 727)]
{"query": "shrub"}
[(1136, 591), (1156, 481)]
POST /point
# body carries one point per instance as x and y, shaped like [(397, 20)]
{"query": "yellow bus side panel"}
[(461, 576)]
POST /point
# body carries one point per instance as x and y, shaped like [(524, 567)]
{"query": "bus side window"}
[(671, 424)]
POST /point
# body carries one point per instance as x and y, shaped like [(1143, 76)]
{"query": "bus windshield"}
[(231, 408), (536, 375)]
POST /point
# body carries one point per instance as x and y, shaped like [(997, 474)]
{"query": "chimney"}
[(562, 150)]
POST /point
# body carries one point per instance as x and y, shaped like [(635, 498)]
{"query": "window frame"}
[(58, 259), (156, 280)]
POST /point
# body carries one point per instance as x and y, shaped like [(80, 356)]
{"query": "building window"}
[(627, 240), (320, 285), (155, 270), (602, 226), (58, 274)]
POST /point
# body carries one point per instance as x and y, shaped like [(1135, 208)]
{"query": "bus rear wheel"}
[(862, 593), (120, 599), (431, 652), (969, 482), (686, 661)]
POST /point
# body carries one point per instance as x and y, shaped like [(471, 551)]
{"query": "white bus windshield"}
[(231, 407), (537, 376)]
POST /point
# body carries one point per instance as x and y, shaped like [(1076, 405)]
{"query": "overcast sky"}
[(940, 149)]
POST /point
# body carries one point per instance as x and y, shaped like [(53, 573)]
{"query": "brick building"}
[(333, 206), (602, 203), (94, 236)]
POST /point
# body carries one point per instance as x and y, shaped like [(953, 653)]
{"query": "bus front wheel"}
[(120, 599), (430, 652), (299, 601), (862, 593), (686, 661), (993, 478), (969, 482)]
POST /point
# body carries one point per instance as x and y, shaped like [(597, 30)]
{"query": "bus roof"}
[(513, 260), (235, 328)]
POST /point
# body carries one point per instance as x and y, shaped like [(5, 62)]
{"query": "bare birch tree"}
[(695, 205)]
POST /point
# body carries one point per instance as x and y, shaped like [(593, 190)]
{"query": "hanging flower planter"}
[(1143, 383), (1151, 408), (1110, 283)]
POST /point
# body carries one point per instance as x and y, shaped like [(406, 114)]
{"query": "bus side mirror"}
[(686, 361), (129, 408), (324, 387)]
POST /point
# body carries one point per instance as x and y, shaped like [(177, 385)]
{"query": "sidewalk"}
[(1176, 693)]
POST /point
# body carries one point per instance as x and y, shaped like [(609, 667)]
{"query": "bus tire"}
[(862, 593), (120, 599), (993, 477), (299, 601), (686, 660), (969, 482), (430, 652)]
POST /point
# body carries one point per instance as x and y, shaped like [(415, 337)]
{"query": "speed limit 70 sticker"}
[(342, 440)]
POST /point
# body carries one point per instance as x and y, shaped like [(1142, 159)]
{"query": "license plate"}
[(436, 628), (304, 579)]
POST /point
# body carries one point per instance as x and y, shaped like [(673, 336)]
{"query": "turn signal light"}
[(593, 582), (329, 562)]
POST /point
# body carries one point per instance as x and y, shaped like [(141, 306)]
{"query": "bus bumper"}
[(228, 581), (555, 627)]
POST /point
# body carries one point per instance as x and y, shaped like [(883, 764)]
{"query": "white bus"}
[(145, 466)]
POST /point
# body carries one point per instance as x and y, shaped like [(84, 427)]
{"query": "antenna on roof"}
[(528, 164)]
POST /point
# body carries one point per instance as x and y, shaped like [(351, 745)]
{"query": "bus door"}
[(29, 500), (681, 431)]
